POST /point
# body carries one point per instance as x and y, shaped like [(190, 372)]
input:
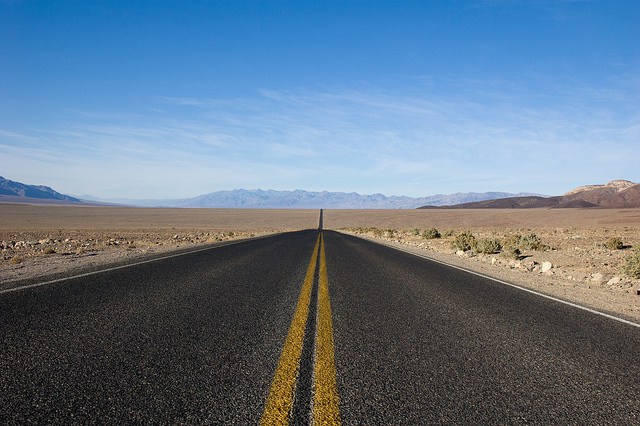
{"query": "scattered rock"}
[(598, 278), (528, 264), (614, 281), (546, 267)]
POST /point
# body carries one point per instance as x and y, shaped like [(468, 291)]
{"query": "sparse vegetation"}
[(614, 243), (416, 231), (632, 266), (430, 234), (513, 244), (49, 250), (488, 246), (530, 242), (449, 233), (511, 252), (464, 241), (16, 260)]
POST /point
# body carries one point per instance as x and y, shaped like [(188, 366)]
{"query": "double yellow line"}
[(325, 402)]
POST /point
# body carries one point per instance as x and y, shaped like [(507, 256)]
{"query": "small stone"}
[(546, 267), (493, 260), (529, 264), (460, 253), (597, 278), (614, 281)]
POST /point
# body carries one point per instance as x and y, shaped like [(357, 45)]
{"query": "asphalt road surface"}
[(303, 327)]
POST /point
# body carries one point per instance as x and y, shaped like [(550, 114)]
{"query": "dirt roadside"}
[(574, 263)]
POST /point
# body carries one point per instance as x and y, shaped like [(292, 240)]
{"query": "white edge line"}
[(115, 268), (546, 296)]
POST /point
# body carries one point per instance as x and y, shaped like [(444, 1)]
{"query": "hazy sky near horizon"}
[(171, 99)]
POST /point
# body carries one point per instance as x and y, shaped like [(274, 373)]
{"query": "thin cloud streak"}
[(469, 138)]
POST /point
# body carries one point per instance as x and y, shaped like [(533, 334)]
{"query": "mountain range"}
[(11, 191), (299, 199), (614, 194)]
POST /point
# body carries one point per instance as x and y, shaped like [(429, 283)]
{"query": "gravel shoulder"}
[(50, 254), (575, 265)]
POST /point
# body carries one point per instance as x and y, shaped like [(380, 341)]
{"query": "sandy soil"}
[(38, 241), (42, 240)]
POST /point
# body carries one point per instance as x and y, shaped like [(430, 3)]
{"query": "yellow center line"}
[(281, 394), (326, 410)]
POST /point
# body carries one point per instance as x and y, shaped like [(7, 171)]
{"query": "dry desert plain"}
[(574, 264)]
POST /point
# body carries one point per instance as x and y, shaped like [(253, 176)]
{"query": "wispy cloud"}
[(443, 137)]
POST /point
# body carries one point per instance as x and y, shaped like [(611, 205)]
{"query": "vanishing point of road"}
[(308, 327)]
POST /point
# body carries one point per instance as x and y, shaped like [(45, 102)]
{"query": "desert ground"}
[(572, 261)]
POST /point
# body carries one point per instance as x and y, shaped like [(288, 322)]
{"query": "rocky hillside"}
[(16, 191), (615, 194)]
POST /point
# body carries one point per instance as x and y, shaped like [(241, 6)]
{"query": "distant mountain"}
[(11, 191), (299, 199), (16, 191), (615, 194)]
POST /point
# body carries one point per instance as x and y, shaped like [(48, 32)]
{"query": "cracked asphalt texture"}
[(196, 339)]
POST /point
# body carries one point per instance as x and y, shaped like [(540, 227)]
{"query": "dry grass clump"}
[(16, 260), (614, 243), (488, 246), (515, 243), (464, 241), (632, 265), (431, 233)]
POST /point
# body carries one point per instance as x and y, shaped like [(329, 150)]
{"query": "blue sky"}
[(169, 99)]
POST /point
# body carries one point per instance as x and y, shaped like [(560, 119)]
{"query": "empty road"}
[(308, 326)]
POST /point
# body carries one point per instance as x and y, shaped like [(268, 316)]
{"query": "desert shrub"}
[(511, 252), (530, 242), (464, 241), (431, 233), (510, 246), (632, 266), (488, 245), (449, 233), (416, 231), (390, 233), (614, 243), (522, 242), (377, 232)]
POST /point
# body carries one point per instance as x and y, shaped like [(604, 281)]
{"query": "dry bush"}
[(531, 242), (632, 266), (488, 246), (517, 242), (464, 241), (430, 234), (614, 243)]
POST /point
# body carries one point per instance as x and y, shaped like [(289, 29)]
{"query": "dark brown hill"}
[(615, 194)]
